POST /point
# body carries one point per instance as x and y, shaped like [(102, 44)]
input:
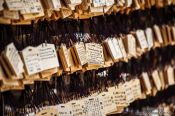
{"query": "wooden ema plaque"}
[(120, 97), (140, 35), (106, 100), (95, 56), (162, 79), (64, 57), (28, 79), (159, 38), (76, 66), (108, 60), (12, 62), (64, 109), (123, 49), (154, 91), (128, 85), (146, 83), (169, 35), (164, 35), (79, 56), (173, 34), (31, 60), (136, 88), (130, 45), (80, 52), (156, 80), (110, 48), (92, 106), (113, 48), (170, 76), (150, 37), (46, 60), (77, 107)]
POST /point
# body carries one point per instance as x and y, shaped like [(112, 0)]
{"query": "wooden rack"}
[(23, 13)]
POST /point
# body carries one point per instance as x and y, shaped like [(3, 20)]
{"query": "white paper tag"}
[(15, 5), (48, 56), (149, 37), (14, 59), (122, 48), (94, 53), (117, 48), (64, 110), (142, 39), (93, 107), (32, 60), (31, 6), (131, 44), (158, 33)]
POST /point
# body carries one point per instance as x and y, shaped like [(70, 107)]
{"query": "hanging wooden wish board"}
[(142, 40), (146, 83), (149, 37), (156, 80), (130, 45), (12, 63), (95, 56), (49, 59), (108, 60), (80, 52), (159, 39)]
